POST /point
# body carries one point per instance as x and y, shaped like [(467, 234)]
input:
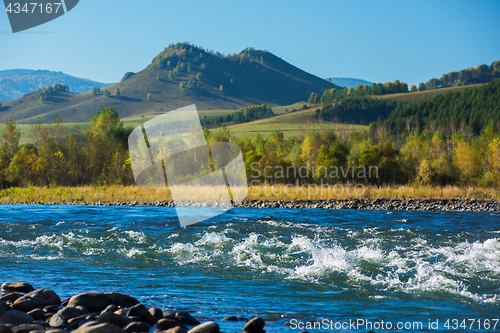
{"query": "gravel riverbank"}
[(457, 205)]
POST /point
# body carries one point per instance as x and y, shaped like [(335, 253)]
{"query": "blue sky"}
[(377, 41)]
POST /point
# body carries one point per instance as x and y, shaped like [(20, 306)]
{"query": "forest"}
[(473, 108)]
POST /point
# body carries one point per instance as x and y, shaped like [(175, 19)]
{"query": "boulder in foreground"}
[(15, 317)]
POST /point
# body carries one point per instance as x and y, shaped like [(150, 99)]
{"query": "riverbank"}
[(24, 309), (375, 198), (134, 194)]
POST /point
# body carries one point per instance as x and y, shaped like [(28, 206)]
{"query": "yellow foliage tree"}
[(463, 158), (494, 150)]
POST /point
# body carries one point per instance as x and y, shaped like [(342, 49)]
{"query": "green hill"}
[(180, 75)]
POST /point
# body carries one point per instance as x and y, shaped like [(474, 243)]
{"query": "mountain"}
[(348, 82), (15, 83), (180, 75)]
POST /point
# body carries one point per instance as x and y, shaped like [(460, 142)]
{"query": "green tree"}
[(22, 170), (117, 92), (413, 88), (107, 147), (11, 136), (421, 86)]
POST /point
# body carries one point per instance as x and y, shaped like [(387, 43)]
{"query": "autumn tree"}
[(11, 136), (463, 157)]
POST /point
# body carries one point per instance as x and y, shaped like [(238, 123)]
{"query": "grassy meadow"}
[(293, 120)]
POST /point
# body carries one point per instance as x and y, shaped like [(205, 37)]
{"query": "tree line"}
[(97, 154), (244, 115), (333, 95), (360, 110), (462, 77)]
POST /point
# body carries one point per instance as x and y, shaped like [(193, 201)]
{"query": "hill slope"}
[(15, 83), (180, 75)]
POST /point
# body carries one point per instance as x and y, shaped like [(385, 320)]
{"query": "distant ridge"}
[(348, 82), (182, 74), (14, 83)]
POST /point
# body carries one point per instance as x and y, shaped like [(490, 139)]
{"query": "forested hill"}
[(473, 107), (180, 75)]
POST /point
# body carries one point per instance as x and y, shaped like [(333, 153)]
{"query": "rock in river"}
[(3, 307), (113, 318), (69, 312), (45, 297), (185, 318), (58, 320), (96, 327), (254, 325), (21, 287), (94, 302), (208, 327), (167, 323), (37, 314), (136, 327), (26, 328), (25, 304)]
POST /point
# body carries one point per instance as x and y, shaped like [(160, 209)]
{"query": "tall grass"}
[(118, 193)]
